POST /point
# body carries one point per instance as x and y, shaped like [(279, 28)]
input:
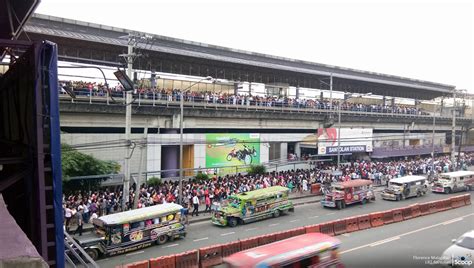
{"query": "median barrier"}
[(210, 256), (406, 213), (188, 259), (387, 216), (415, 210), (230, 248), (140, 264), (454, 202), (467, 199), (363, 222), (298, 231), (340, 227), (352, 224), (376, 219), (424, 209), (397, 215), (163, 262), (442, 205), (327, 228), (266, 239), (312, 228), (248, 243), (432, 207), (283, 235)]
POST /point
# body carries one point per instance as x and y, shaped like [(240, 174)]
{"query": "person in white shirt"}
[(195, 205), (68, 216)]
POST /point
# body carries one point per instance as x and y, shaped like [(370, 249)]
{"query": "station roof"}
[(103, 35)]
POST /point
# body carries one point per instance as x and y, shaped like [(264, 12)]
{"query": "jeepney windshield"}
[(337, 188), (396, 184), (231, 201), (445, 178)]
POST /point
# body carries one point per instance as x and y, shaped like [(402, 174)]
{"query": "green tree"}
[(256, 170), (75, 163)]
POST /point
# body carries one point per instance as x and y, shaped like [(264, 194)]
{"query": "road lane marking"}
[(227, 233), (346, 235), (313, 217), (330, 213), (250, 229), (170, 246), (273, 224), (376, 243), (134, 253), (200, 239), (294, 220), (385, 241)]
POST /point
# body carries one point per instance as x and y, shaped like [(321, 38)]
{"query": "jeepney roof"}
[(407, 179), (138, 214), (270, 191), (460, 173), (284, 252), (353, 183)]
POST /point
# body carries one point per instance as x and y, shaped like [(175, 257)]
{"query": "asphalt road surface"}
[(418, 242), (204, 234)]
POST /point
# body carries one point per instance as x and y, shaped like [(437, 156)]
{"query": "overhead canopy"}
[(13, 15)]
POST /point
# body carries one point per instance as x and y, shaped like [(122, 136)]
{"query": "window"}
[(466, 242), (138, 224), (461, 178), (156, 221)]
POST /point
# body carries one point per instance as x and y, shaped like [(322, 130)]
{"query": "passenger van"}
[(253, 206), (349, 192), (454, 182), (313, 250), (134, 229), (405, 187)]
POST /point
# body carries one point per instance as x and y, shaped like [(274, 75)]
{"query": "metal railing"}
[(74, 254)]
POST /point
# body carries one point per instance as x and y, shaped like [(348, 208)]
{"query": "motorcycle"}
[(246, 155)]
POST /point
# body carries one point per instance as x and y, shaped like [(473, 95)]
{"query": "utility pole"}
[(338, 135), (433, 139), (330, 91), (143, 150), (453, 131)]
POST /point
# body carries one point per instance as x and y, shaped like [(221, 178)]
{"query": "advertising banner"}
[(232, 149), (352, 140)]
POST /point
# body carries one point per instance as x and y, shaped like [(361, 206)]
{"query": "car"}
[(461, 253)]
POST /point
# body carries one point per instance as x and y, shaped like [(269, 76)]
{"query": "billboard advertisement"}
[(353, 140), (232, 149)]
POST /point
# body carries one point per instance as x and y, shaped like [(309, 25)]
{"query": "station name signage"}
[(346, 149)]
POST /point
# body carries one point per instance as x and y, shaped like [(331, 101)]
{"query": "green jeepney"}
[(253, 206)]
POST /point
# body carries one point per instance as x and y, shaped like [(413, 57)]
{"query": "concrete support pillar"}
[(284, 150), (298, 149), (175, 121)]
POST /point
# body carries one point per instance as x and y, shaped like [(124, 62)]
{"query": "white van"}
[(454, 182), (404, 187)]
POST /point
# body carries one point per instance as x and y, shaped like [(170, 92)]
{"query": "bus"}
[(314, 250), (134, 229), (253, 206), (454, 182), (404, 187)]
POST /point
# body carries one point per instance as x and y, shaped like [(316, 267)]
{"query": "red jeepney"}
[(349, 192), (313, 250)]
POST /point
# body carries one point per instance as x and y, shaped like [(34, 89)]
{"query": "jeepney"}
[(132, 230), (253, 206), (405, 187), (349, 192), (453, 182)]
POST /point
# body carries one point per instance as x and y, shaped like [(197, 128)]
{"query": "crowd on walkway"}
[(86, 206), (98, 89)]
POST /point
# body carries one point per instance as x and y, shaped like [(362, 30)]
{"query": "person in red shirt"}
[(208, 204)]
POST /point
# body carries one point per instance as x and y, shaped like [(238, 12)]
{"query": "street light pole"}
[(181, 115), (330, 91), (453, 130), (128, 126), (338, 134), (433, 139)]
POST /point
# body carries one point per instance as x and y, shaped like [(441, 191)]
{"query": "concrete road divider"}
[(376, 219), (312, 228), (248, 243), (364, 222), (282, 235), (352, 224), (340, 227), (424, 209), (298, 231), (140, 264), (406, 212), (210, 256), (387, 216), (457, 201), (163, 262), (467, 199), (415, 210), (266, 239), (397, 214), (442, 205), (188, 259), (327, 228), (432, 207), (230, 248)]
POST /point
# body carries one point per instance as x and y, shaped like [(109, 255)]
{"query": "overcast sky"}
[(428, 40)]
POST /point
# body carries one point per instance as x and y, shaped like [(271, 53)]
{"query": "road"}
[(205, 234), (406, 244)]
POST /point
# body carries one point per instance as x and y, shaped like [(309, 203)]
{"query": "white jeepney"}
[(404, 187), (454, 182)]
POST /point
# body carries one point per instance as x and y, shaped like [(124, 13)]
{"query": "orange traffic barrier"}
[(454, 201), (230, 248), (188, 259), (248, 243), (415, 210), (163, 262), (298, 231), (266, 239), (364, 222), (340, 227), (432, 207), (376, 219), (312, 228), (387, 217), (316, 188), (327, 228), (442, 205), (352, 224), (397, 215), (467, 199), (141, 264), (406, 212), (210, 256), (424, 209), (282, 235)]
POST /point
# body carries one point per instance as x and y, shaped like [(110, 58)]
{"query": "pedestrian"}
[(196, 205), (68, 216), (208, 204), (80, 220)]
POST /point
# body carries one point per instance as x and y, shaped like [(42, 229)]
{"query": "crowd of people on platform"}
[(86, 206), (98, 89)]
